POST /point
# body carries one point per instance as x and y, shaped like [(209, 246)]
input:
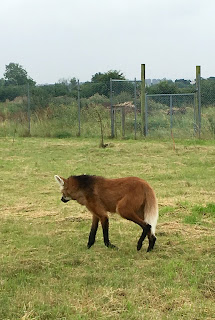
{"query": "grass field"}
[(46, 271), (61, 121)]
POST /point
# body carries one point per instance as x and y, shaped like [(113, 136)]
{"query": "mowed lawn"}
[(46, 270)]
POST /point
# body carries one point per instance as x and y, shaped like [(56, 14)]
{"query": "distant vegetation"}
[(54, 107)]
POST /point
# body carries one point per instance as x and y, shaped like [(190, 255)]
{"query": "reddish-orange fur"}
[(131, 197)]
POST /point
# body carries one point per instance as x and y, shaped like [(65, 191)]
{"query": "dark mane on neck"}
[(85, 181)]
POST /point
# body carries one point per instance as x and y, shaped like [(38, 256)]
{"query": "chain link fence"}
[(125, 108), (14, 110), (208, 107), (182, 115), (104, 110), (173, 114), (60, 110)]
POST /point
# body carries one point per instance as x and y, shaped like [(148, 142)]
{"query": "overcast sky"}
[(55, 39)]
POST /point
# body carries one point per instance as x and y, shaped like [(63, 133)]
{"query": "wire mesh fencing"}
[(14, 110), (60, 110), (110, 109), (173, 114), (208, 107), (36, 110), (125, 108)]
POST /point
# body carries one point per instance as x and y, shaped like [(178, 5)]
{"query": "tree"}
[(16, 75), (182, 83), (165, 86), (105, 77), (101, 81), (2, 82), (66, 87)]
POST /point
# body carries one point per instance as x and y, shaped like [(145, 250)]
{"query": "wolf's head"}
[(63, 187)]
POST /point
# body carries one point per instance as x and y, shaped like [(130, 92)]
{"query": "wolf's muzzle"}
[(64, 200)]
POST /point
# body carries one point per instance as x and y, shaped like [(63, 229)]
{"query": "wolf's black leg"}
[(105, 228), (146, 229), (92, 235), (152, 240)]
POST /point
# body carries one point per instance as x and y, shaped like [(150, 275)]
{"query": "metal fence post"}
[(123, 121), (194, 113), (198, 95), (79, 110), (199, 102), (170, 105), (111, 109), (135, 109), (143, 93), (29, 111), (146, 115)]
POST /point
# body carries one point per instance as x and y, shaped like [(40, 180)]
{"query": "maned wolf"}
[(131, 197)]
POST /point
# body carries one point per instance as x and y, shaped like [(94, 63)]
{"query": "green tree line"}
[(16, 80)]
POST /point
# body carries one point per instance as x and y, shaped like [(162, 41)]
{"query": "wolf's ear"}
[(59, 180)]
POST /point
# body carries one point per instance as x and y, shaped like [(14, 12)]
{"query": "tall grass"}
[(61, 120)]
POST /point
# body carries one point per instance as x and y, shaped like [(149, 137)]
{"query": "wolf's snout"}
[(64, 200)]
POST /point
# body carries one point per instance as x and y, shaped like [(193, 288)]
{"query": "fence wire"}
[(111, 109), (171, 113), (208, 107), (125, 108)]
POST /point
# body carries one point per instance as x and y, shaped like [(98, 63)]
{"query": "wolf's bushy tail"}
[(151, 210)]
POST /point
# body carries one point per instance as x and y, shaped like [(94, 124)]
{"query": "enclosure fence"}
[(125, 107), (171, 113), (110, 110)]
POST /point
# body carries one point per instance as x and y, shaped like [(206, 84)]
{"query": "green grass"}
[(46, 271), (199, 212), (60, 120)]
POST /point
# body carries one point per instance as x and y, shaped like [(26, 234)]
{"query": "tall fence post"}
[(29, 111), (123, 121), (198, 82), (146, 115), (135, 109), (194, 113), (198, 99), (171, 111), (79, 110), (111, 109), (143, 94)]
